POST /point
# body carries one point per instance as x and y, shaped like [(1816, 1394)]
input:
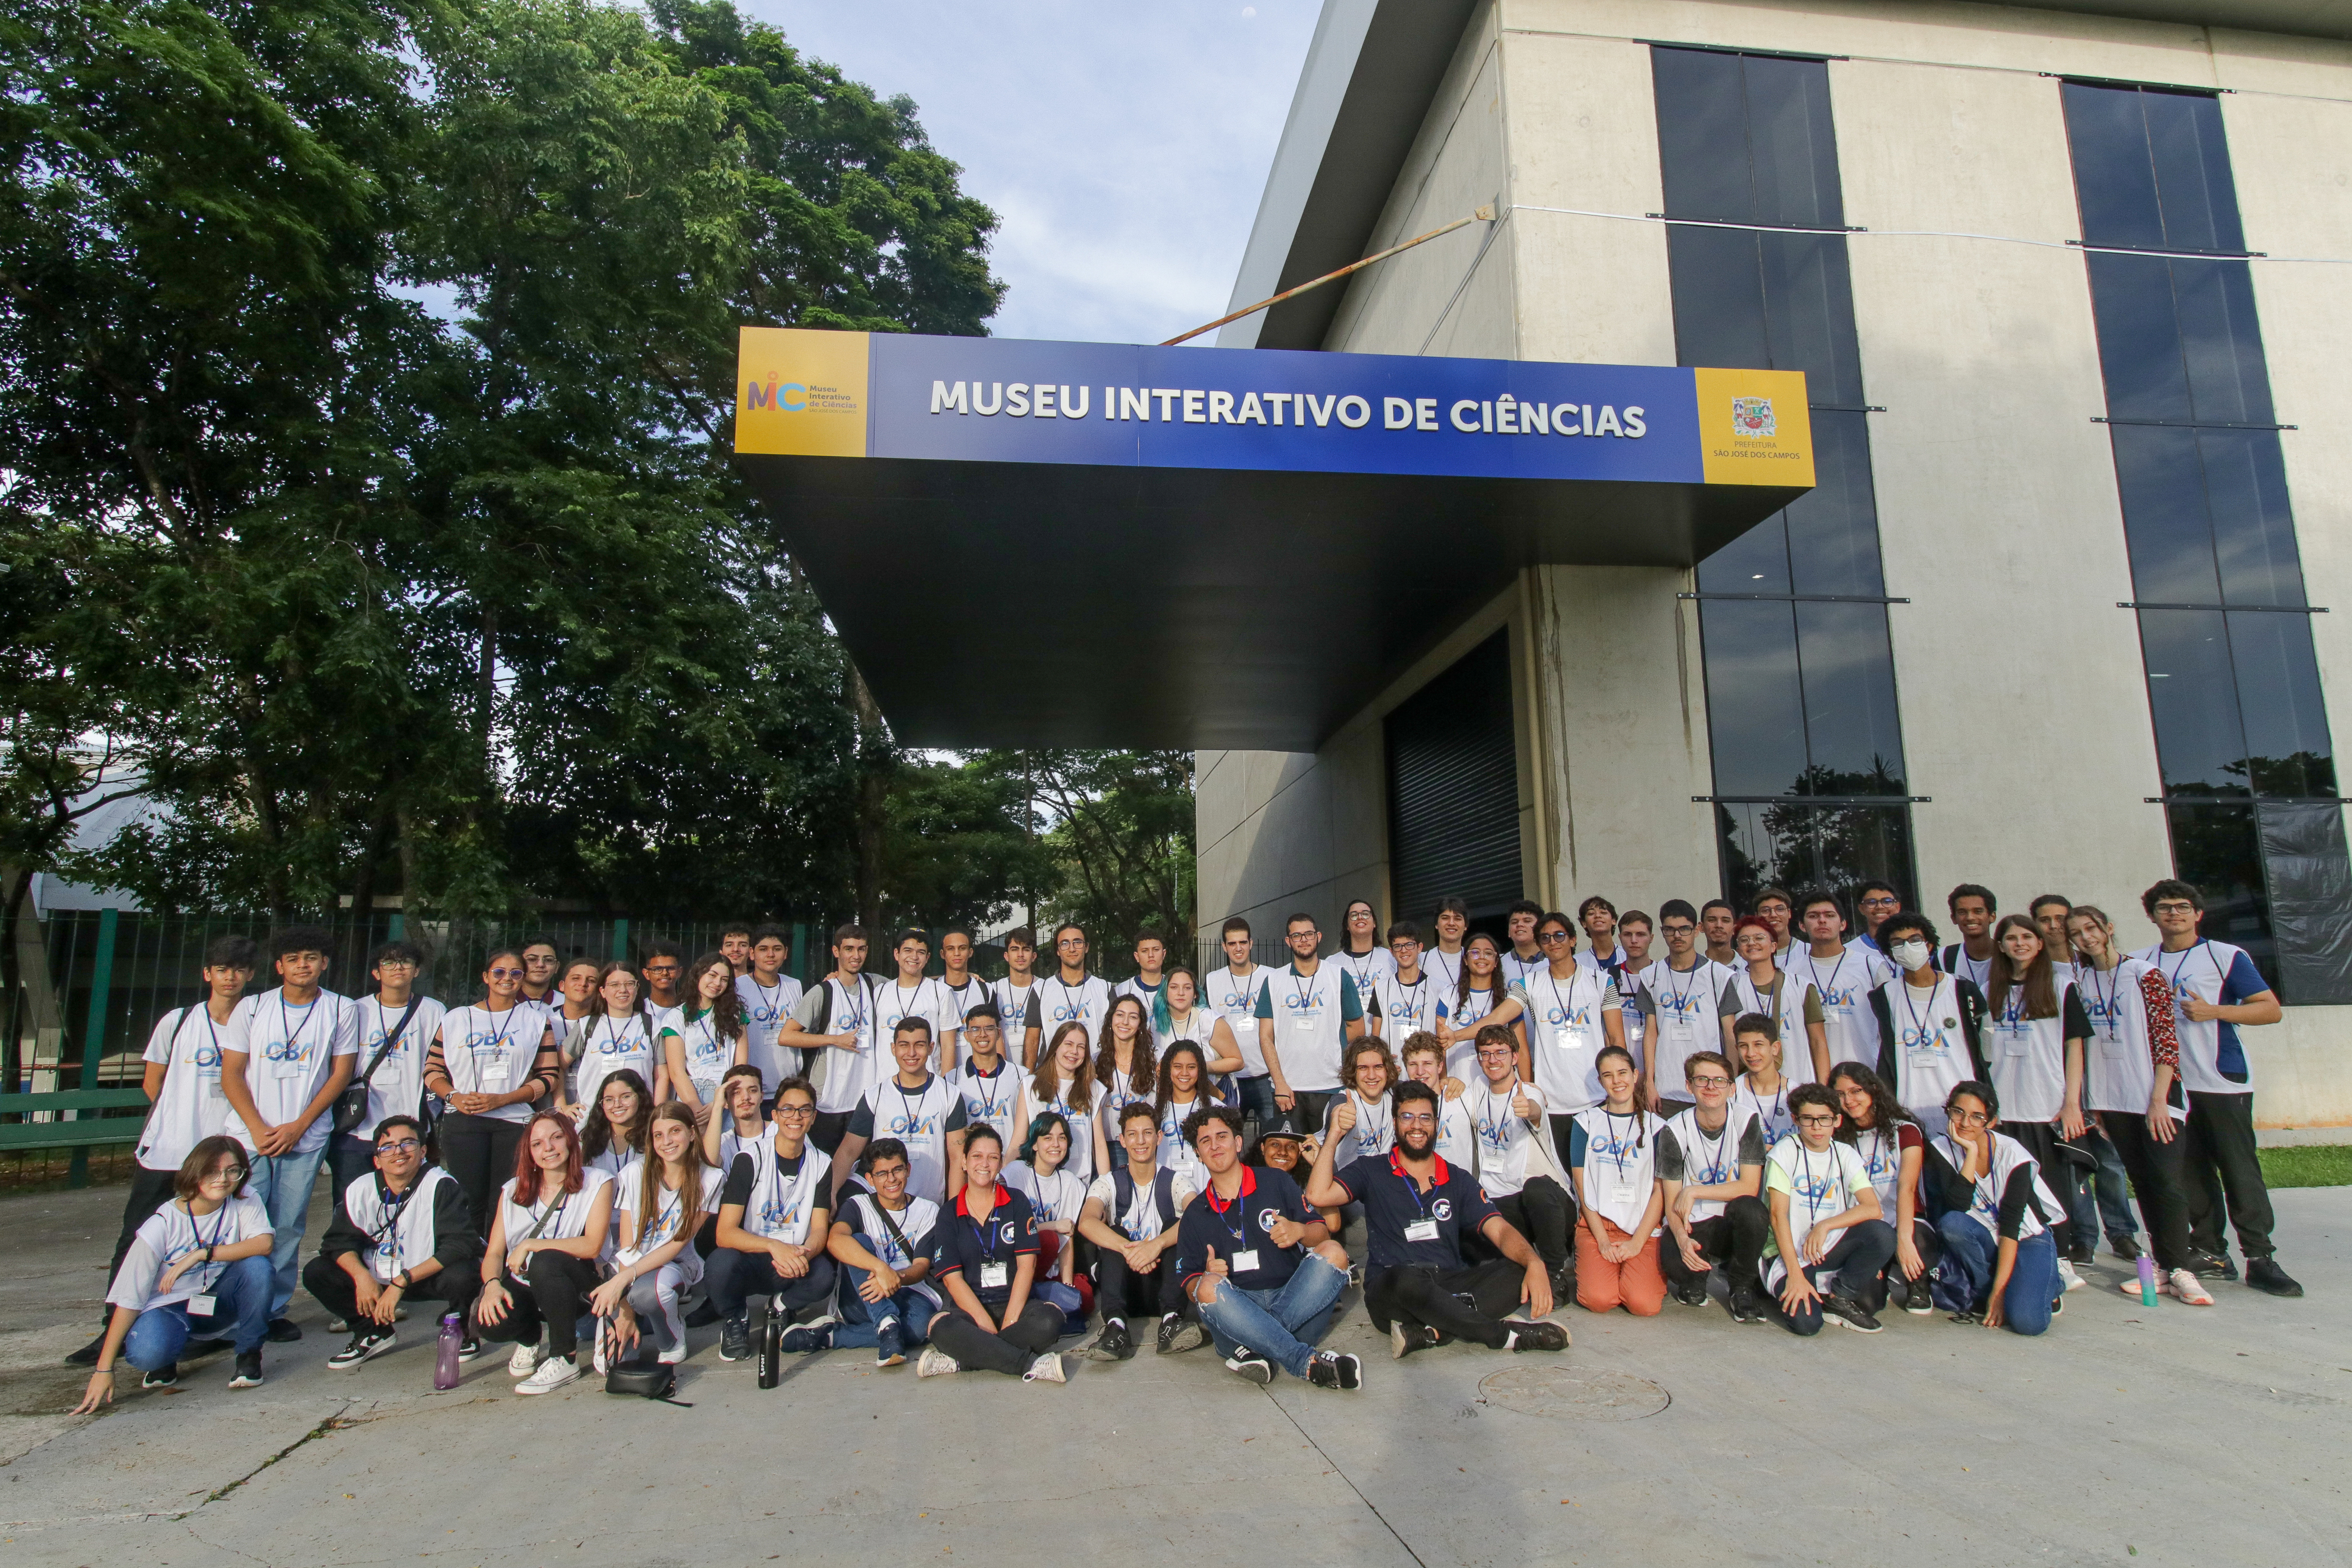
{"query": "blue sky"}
[(1123, 146)]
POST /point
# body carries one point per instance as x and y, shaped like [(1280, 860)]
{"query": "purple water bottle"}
[(445, 1358), (2147, 1281)]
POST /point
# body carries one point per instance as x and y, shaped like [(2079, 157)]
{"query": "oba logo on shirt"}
[(1684, 1008), (1814, 1190), (1616, 1147), (1833, 997), (914, 1124), (207, 1058), (776, 1212), (1919, 1038), (1066, 1009), (286, 1051), (1300, 1005), (1236, 1002), (1560, 1018)]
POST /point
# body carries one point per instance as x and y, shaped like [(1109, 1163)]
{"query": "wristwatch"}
[(401, 1280)]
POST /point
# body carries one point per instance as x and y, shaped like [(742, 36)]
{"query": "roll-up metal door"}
[(1453, 788)]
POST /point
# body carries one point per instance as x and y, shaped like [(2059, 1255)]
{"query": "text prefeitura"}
[(1504, 416)]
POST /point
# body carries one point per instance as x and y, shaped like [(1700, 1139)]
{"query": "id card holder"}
[(995, 1276), (2112, 1045), (1618, 1196), (2013, 1042), (202, 1306), (1245, 1262), (1422, 1230)]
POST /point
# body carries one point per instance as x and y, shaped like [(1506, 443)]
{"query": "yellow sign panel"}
[(1754, 427), (801, 394)]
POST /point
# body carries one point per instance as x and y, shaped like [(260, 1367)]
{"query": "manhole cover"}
[(1566, 1392)]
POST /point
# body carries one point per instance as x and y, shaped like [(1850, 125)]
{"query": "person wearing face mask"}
[(1931, 1023)]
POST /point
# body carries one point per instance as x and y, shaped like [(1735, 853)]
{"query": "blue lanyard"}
[(983, 1230)]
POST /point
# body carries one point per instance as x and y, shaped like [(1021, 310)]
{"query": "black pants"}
[(828, 1129), (1872, 1292), (149, 1189), (1733, 1241), (553, 1296), (1467, 1303), (2157, 1172), (479, 1152), (2220, 1165), (1560, 1126), (2041, 1140), (1122, 1292), (335, 1290), (732, 1277), (1311, 1106), (1542, 1212), (1023, 1340), (348, 1159)]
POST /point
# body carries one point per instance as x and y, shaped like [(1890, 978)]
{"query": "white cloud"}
[(1124, 146)]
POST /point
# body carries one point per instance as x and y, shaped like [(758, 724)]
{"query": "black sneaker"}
[(196, 1350), (1919, 1295), (284, 1331), (1114, 1343), (161, 1378), (1693, 1294), (2264, 1275), (1536, 1336), (1351, 1369), (366, 1345), (1968, 1315), (1246, 1362), (1323, 1371), (735, 1339), (1406, 1338), (1746, 1306), (2124, 1246), (1178, 1334), (87, 1354), (468, 1348), (2082, 1254), (807, 1338), (248, 1371), (1839, 1308), (2210, 1267)]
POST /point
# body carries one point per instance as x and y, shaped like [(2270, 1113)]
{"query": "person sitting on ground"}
[(663, 1201), (1711, 1171), (984, 1261), (1131, 1217), (1825, 1220), (613, 1138), (1996, 1216), (544, 1254), (1512, 1155), (199, 1266), (883, 1242), (1417, 1208), (403, 1233), (1043, 1176), (1891, 1148), (773, 1225), (1259, 1267), (1613, 1158)]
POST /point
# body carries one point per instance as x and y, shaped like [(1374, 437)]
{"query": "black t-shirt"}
[(1393, 1201), (969, 1243), (744, 1174), (1242, 1225)]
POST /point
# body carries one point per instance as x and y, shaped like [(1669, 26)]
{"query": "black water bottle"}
[(772, 1349)]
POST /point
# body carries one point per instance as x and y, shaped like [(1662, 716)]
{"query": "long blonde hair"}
[(689, 1190)]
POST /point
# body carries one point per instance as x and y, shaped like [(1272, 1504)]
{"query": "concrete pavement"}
[(2175, 1436)]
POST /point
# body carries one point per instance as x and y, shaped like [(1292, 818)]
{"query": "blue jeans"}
[(1858, 1258), (2032, 1278), (241, 1309), (857, 1328), (283, 1184), (1282, 1324), (1257, 1098), (2103, 1203)]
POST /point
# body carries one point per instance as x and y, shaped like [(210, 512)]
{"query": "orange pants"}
[(1638, 1284)]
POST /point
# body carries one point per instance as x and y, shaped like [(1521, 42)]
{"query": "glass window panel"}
[(2199, 742), (2254, 530), (1719, 298), (2114, 183), (2216, 848), (2192, 170), (1851, 842), (1754, 699), (2309, 881), (2167, 527), (2287, 746), (1762, 846), (1703, 139), (1809, 313), (2221, 342), (1793, 148), (1755, 562), (1854, 741), (1833, 528), (2140, 337)]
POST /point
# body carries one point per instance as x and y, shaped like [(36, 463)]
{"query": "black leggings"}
[(1732, 1241), (479, 1152), (2158, 1180), (1542, 1212), (1122, 1292), (1010, 1351), (554, 1297), (1420, 1296)]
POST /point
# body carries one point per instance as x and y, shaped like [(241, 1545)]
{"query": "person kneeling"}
[(1825, 1217), (773, 1225), (1133, 1273), (883, 1242), (1260, 1265), (986, 1259), (198, 1264), (1613, 1155), (402, 1234), (1417, 1208)]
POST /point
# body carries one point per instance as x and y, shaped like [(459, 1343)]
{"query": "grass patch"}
[(2308, 1166)]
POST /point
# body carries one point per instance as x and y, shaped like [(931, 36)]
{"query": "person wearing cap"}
[(1281, 1146), (1261, 1268)]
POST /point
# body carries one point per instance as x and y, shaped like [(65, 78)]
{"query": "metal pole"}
[(620, 938), (1484, 214), (93, 1034)]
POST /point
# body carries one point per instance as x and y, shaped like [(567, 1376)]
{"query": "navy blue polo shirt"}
[(1393, 1200), (967, 1241), (1242, 1225)]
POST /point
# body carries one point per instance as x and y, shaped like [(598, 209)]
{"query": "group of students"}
[(969, 1170)]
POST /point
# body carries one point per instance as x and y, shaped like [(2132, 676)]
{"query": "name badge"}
[(1618, 1193), (1245, 1262), (2013, 1042), (1308, 1024), (995, 1276), (202, 1306), (1422, 1230), (2112, 1045)]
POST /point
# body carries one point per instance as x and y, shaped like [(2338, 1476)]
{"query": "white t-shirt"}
[(1234, 998), (1057, 1003), (708, 1054), (1012, 1013), (607, 1044), (843, 1077), (2118, 1073), (1141, 1221), (290, 1052), (1771, 1112), (1457, 1139), (1821, 1185), (1931, 1045), (862, 1212), (995, 1099), (765, 1009), (1446, 966), (1176, 1151), (1373, 1136), (1309, 1014), (1566, 1033), (566, 1219), (1844, 984), (921, 1118), (492, 1053), (781, 1205), (1059, 1195), (2027, 1058), (1366, 969), (398, 1087), (190, 1107), (1621, 1164), (1684, 1008), (1080, 1161), (171, 1233), (1400, 1008), (1709, 1160), (669, 1213), (1505, 1139), (1133, 986), (929, 999), (2212, 1050)]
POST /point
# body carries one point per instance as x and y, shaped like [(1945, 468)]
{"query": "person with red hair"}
[(542, 1260)]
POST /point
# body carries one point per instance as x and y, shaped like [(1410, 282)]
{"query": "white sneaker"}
[(2190, 1289), (549, 1376), (602, 1358), (672, 1356), (1046, 1368), (2068, 1278), (525, 1360), (935, 1363)]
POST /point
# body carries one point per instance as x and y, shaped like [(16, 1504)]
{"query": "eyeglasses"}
[(505, 973), (1071, 941), (1822, 1120), (396, 963), (1882, 901), (1712, 1080), (2175, 907), (397, 1146), (1415, 1118), (1969, 1117), (226, 1174), (1497, 1052), (663, 968), (1548, 937), (794, 1112)]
